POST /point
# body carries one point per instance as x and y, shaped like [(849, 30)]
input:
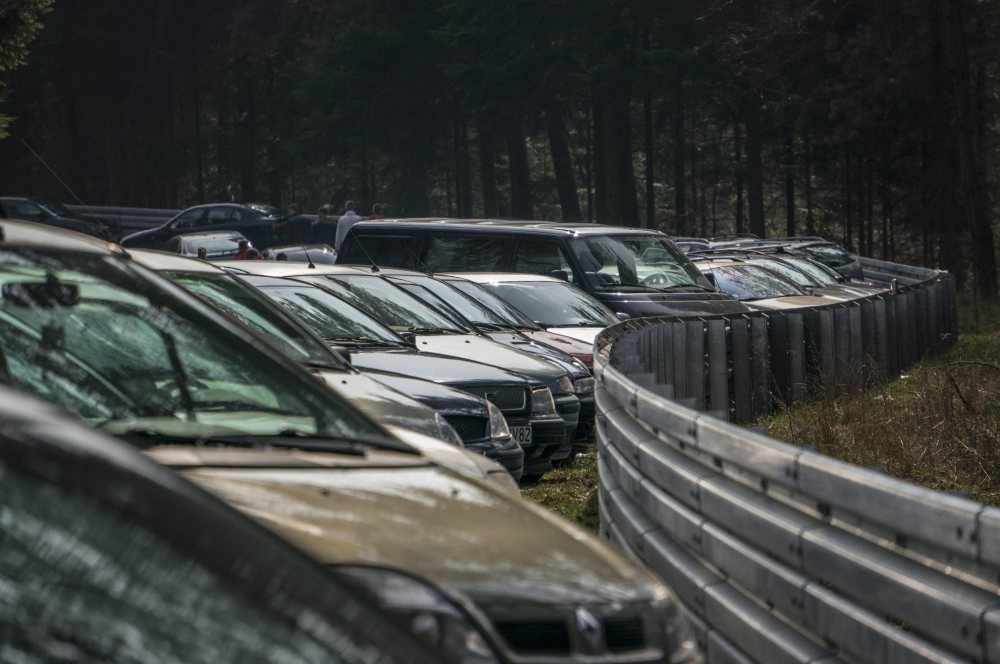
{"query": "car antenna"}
[(374, 267), (56, 176), (305, 248)]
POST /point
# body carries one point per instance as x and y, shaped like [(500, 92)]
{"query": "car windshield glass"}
[(448, 296), (555, 304), (254, 310), (789, 272), (823, 275), (389, 304), (213, 247), (497, 305), (746, 282), (830, 255), (635, 262), (330, 317), (124, 349)]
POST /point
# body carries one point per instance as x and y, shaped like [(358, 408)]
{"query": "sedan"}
[(256, 222), (759, 287), (51, 214)]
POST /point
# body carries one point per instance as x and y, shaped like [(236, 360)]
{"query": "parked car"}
[(526, 404), (52, 214), (759, 287), (632, 271), (322, 254), (828, 253), (435, 410), (471, 570), (256, 222), (433, 332), (110, 557), (689, 244), (218, 245), (556, 305)]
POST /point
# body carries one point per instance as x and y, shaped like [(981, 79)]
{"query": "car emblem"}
[(589, 628)]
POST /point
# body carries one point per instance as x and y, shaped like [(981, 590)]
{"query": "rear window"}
[(464, 254), (385, 250), (830, 255)]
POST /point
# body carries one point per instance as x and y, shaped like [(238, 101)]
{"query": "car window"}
[(555, 304), (444, 297), (790, 272), (830, 255), (86, 332), (474, 253), (218, 216), (640, 262), (747, 282), (331, 318), (25, 210), (496, 304), (81, 583), (385, 250), (187, 219), (542, 257), (823, 275), (173, 245)]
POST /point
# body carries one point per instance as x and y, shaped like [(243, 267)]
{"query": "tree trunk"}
[(520, 172), (848, 201), (984, 262), (649, 150), (464, 169), (247, 148), (790, 185), (755, 168), (601, 213), (810, 220), (488, 172), (562, 164), (680, 162), (738, 160)]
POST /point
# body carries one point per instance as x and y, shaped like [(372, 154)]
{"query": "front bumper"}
[(511, 457), (548, 433), (584, 439), (568, 407)]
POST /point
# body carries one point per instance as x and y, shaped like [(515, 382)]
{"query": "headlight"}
[(542, 403), (446, 432), (428, 614), (498, 424), (564, 385), (584, 385), (678, 642)]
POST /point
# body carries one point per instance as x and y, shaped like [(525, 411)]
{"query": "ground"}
[(571, 492)]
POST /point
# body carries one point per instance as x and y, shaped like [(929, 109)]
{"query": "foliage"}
[(20, 22)]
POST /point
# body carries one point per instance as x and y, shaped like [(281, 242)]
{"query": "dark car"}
[(256, 222), (108, 556), (51, 214), (633, 271), (828, 253)]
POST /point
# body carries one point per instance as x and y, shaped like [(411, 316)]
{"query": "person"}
[(297, 225), (348, 219), (254, 255), (324, 227), (376, 212), (202, 253), (241, 250)]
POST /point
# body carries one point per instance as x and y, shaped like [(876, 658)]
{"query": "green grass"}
[(571, 492)]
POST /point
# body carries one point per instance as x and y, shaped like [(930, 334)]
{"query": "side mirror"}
[(711, 278), (410, 338), (560, 274), (622, 315)]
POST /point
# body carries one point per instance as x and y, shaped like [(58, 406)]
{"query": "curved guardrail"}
[(780, 554)]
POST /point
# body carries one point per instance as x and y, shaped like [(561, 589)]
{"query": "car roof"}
[(512, 225), (502, 277), (164, 261), (287, 268), (29, 234)]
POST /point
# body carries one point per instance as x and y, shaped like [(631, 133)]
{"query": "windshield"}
[(822, 274), (450, 298), (747, 282), (555, 304), (333, 319), (789, 272), (635, 262), (831, 255), (511, 315), (389, 304), (126, 351), (256, 312)]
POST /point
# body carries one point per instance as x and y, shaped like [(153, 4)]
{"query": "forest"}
[(871, 122)]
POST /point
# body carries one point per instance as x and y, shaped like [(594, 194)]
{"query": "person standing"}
[(376, 212), (324, 228), (348, 219)]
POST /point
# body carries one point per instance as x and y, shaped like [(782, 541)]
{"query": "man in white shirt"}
[(348, 219)]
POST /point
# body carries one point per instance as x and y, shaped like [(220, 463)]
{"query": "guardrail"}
[(780, 554), (128, 219)]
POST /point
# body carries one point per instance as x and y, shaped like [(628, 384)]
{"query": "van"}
[(635, 272)]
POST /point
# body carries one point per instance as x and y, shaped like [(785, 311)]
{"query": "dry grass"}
[(937, 426), (571, 492)]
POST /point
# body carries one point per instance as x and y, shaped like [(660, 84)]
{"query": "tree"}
[(20, 22)]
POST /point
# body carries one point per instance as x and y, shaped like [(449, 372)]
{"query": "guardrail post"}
[(760, 367), (696, 362), (742, 377), (718, 368)]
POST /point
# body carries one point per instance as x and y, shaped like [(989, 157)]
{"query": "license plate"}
[(522, 435)]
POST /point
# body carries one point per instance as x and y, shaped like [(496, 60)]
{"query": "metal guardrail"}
[(780, 554), (128, 219)]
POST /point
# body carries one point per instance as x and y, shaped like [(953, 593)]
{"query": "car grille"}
[(543, 635), (624, 634), (535, 636), (470, 428), (507, 399)]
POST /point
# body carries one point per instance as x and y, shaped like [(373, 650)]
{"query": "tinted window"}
[(542, 257), (554, 304), (188, 219), (477, 253), (79, 583), (830, 255), (219, 216), (386, 250)]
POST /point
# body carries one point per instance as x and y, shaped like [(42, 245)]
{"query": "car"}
[(526, 404), (435, 410), (471, 570), (432, 332), (552, 303), (108, 556), (52, 214), (303, 253), (759, 287), (256, 222), (218, 245), (689, 244), (633, 271), (828, 253)]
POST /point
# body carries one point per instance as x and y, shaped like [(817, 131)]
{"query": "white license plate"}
[(521, 434)]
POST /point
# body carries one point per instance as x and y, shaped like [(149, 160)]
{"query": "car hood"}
[(464, 536), (671, 304), (563, 342), (487, 351), (570, 365), (848, 291), (436, 368), (446, 400), (793, 302), (583, 334), (383, 404)]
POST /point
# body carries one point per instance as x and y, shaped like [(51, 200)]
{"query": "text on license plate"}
[(522, 435)]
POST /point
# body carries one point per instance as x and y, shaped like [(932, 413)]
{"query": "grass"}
[(937, 426), (571, 492)]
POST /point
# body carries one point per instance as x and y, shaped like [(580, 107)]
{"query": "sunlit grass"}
[(571, 492)]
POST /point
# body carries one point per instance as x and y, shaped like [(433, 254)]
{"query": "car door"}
[(186, 222), (541, 256)]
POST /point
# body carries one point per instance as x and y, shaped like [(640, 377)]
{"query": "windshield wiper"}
[(433, 330), (361, 341), (145, 438)]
